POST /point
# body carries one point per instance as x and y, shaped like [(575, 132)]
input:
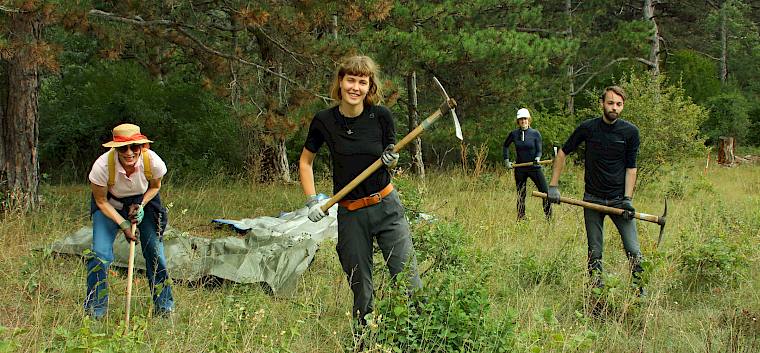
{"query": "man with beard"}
[(610, 176)]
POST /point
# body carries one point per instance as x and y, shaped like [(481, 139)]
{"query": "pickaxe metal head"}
[(661, 222), (449, 105)]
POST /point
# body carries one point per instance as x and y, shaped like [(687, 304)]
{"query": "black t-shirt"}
[(610, 150), (353, 152), (527, 146)]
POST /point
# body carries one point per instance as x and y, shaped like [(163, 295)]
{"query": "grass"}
[(537, 272)]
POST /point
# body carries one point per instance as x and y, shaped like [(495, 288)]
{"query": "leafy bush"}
[(194, 132), (695, 72), (714, 262), (667, 119), (729, 116), (454, 316)]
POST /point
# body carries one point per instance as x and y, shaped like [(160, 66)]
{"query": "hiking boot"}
[(642, 293)]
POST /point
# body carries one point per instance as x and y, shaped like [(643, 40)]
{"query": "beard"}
[(611, 116)]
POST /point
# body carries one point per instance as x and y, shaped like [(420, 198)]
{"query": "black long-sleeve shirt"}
[(610, 150), (527, 145)]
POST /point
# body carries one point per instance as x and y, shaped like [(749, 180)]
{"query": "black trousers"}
[(357, 231), (521, 178)]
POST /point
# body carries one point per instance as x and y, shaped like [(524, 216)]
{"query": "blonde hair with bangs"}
[(358, 65)]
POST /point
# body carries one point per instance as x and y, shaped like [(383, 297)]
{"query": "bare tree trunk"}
[(654, 51), (334, 26), (415, 148), (723, 45), (571, 67), (19, 167), (276, 164)]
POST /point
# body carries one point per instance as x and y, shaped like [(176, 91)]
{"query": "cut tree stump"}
[(726, 151)]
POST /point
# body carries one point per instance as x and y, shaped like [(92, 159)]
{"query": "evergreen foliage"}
[(195, 133)]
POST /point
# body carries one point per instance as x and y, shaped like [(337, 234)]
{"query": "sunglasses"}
[(135, 148)]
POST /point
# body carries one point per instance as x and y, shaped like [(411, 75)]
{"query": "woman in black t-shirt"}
[(357, 132)]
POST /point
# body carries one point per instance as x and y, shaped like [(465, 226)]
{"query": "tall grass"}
[(536, 276)]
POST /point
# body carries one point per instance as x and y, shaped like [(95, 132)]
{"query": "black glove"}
[(627, 205), (553, 194)]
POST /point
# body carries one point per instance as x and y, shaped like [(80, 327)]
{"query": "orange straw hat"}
[(127, 134)]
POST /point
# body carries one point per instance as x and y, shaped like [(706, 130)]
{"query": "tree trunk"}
[(726, 150), (571, 67), (415, 148), (276, 165), (654, 51), (19, 166), (723, 45)]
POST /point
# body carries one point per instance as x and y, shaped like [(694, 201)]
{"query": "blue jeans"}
[(104, 232), (594, 221)]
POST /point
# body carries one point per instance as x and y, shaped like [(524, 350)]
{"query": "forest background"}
[(231, 86), (227, 90)]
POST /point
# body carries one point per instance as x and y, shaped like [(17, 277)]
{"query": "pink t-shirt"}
[(124, 186)]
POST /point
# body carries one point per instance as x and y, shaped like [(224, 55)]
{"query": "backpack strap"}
[(146, 165), (111, 167), (147, 169)]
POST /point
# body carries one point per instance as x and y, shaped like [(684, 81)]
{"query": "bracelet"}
[(125, 225)]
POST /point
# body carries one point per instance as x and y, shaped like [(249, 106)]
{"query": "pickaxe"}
[(616, 211), (130, 274), (448, 105), (527, 164)]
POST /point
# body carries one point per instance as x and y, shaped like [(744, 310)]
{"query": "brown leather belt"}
[(374, 199)]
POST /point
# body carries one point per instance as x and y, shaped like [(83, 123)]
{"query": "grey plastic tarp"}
[(275, 250)]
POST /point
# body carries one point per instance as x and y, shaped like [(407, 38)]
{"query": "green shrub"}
[(667, 119), (454, 316), (729, 116), (715, 262), (194, 132)]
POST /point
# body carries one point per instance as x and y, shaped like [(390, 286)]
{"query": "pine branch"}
[(183, 29), (615, 61)]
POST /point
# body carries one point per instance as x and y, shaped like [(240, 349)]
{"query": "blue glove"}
[(136, 213), (553, 194), (389, 158), (627, 205)]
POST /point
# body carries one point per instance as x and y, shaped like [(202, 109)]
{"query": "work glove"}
[(389, 158), (535, 161), (553, 194), (136, 213), (508, 163), (126, 227), (314, 205), (627, 205)]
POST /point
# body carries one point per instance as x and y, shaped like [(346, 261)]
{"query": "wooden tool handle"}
[(130, 273)]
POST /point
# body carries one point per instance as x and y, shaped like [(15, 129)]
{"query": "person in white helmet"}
[(527, 150)]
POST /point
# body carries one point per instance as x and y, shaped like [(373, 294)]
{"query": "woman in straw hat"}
[(125, 183), (528, 146), (357, 132)]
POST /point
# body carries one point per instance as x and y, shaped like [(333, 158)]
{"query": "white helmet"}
[(523, 113)]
